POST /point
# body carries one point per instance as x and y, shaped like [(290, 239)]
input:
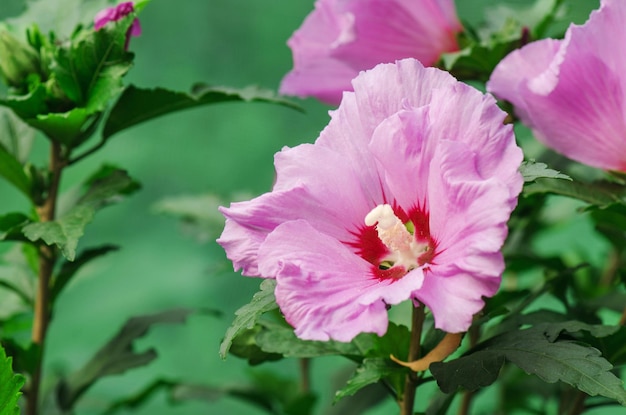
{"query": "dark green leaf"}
[(245, 346), (139, 398), (11, 226), (137, 105), (282, 340), (68, 269), (370, 371), (470, 374), (601, 194), (534, 351), (63, 232), (13, 172), (11, 385), (28, 106), (89, 70), (117, 356), (532, 171), (247, 316)]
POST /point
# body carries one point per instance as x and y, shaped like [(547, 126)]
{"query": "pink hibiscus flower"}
[(405, 195), (113, 14), (342, 37), (572, 92)]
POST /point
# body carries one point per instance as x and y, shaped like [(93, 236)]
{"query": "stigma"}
[(403, 248)]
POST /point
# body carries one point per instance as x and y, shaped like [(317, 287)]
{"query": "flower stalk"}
[(407, 401), (47, 259)]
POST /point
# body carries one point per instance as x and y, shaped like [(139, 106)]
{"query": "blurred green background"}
[(225, 150)]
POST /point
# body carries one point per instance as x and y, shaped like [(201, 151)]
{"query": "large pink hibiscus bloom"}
[(405, 195), (572, 92), (342, 37)]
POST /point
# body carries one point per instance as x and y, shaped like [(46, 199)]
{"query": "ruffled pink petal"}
[(342, 37), (324, 290), (520, 66)]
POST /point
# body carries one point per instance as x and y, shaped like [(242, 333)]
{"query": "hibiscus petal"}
[(324, 289)]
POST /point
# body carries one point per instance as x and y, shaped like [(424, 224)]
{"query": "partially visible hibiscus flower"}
[(572, 92), (406, 194), (340, 38), (113, 14)]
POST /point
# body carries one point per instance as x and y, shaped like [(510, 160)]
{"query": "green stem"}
[(466, 401), (47, 260), (305, 375), (407, 401)]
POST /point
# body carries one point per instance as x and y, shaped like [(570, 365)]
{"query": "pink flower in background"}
[(342, 37), (572, 92), (405, 194), (113, 14)]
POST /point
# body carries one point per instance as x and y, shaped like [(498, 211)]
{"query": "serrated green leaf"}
[(12, 170), (533, 351), (247, 316), (282, 340), (137, 105), (63, 232), (370, 371), (600, 194), (532, 171), (90, 69), (117, 356), (11, 386), (104, 187)]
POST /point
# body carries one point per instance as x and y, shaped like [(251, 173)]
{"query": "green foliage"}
[(531, 171), (137, 105), (537, 351), (11, 385), (16, 137), (104, 187), (13, 172), (116, 357), (247, 316), (372, 370)]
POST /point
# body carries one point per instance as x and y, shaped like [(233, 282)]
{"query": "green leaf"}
[(11, 169), (117, 356), (532, 171), (600, 194), (63, 232), (69, 269), (276, 338), (15, 135), (370, 371), (63, 127), (90, 69), (247, 316), (534, 351), (11, 226), (11, 385), (137, 105), (28, 106), (245, 346), (104, 187)]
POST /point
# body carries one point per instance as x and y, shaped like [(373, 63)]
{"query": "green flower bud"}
[(17, 60)]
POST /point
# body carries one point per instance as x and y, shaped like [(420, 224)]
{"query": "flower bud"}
[(17, 59)]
